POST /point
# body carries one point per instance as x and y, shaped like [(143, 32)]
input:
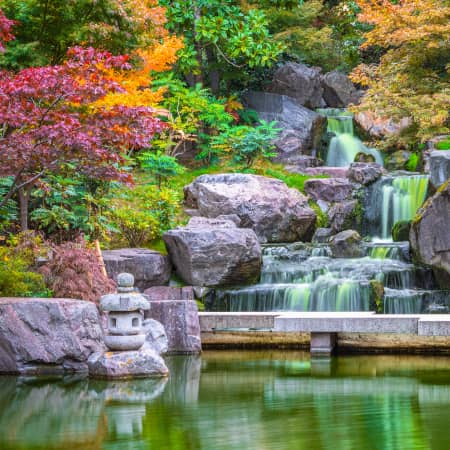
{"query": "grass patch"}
[(443, 145)]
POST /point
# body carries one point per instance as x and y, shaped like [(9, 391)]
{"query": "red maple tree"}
[(52, 120)]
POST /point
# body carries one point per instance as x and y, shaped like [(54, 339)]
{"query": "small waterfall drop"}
[(344, 146), (393, 199)]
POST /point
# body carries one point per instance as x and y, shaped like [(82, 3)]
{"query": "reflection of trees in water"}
[(238, 401), (70, 414)]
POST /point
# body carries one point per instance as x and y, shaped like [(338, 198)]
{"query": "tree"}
[(54, 121), (160, 166), (220, 40), (6, 26), (49, 28), (412, 79)]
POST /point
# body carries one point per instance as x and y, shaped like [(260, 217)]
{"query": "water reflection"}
[(239, 400)]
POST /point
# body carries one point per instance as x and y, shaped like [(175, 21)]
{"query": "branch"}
[(226, 58)]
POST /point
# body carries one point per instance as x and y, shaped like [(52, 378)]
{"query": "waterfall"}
[(392, 199), (344, 146)]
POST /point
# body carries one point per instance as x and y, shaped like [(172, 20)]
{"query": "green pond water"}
[(239, 400)]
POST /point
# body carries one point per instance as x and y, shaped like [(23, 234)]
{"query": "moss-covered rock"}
[(430, 235), (400, 230)]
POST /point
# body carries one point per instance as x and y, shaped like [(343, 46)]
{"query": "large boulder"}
[(47, 336), (211, 252), (338, 90), (181, 323), (439, 167), (365, 173), (346, 244), (430, 235), (329, 189), (300, 82), (149, 267), (344, 215), (169, 293), (301, 128), (275, 212)]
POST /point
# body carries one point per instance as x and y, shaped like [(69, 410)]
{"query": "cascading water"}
[(305, 277), (392, 199), (294, 279), (344, 146)]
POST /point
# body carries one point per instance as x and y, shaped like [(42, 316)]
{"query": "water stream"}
[(344, 146)]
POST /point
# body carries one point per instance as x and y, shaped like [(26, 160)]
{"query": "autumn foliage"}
[(412, 78), (54, 120)]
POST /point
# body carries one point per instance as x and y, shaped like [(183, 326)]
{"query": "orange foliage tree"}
[(412, 78)]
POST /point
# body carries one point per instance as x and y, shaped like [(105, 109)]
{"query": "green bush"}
[(16, 262), (141, 215), (443, 145)]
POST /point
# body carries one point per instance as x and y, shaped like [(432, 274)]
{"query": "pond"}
[(239, 400)]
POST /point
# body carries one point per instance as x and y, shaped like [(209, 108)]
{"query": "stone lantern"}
[(125, 316)]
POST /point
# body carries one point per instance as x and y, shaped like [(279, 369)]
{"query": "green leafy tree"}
[(221, 40)]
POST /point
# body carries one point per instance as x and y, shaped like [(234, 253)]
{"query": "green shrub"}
[(443, 145), (17, 259), (412, 162), (161, 167), (141, 215)]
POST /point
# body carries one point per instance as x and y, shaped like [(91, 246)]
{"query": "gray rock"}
[(342, 216), (143, 363), (334, 172), (169, 293), (301, 128), (365, 173), (303, 162), (338, 90), (322, 235), (430, 235), (300, 82), (149, 267), (275, 212), (211, 252), (346, 244), (48, 336), (156, 336), (397, 160), (180, 321), (329, 189), (376, 127), (439, 167)]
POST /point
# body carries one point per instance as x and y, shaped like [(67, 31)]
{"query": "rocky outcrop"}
[(329, 189), (149, 267), (156, 336), (378, 128), (275, 212), (439, 167), (211, 252), (47, 336), (300, 82), (365, 173), (397, 160), (322, 235), (430, 236), (142, 363), (338, 90), (346, 244), (334, 172), (343, 215), (169, 293), (181, 323), (301, 128)]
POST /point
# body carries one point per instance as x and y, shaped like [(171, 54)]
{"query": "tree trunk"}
[(24, 196), (214, 75)]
